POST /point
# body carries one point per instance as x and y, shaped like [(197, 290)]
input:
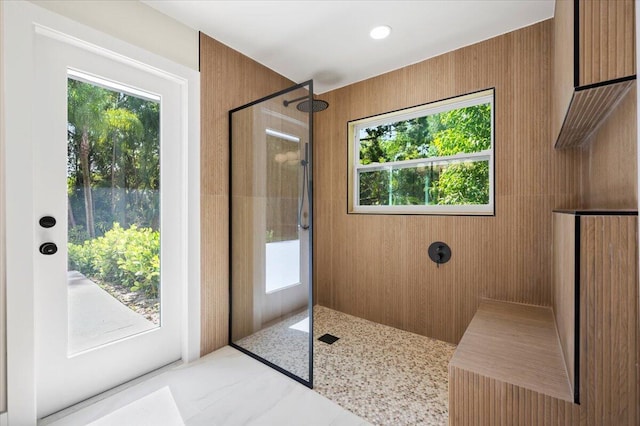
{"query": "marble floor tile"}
[(374, 374), (225, 387)]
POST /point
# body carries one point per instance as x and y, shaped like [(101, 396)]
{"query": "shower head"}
[(315, 105)]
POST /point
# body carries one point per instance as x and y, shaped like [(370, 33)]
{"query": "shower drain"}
[(328, 338)]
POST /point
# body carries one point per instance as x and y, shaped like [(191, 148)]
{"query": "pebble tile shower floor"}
[(384, 375)]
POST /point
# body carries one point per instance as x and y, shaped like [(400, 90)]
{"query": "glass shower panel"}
[(270, 214)]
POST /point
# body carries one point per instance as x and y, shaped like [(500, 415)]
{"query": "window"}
[(113, 210), (429, 159)]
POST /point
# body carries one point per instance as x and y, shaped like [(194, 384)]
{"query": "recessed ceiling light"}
[(378, 33)]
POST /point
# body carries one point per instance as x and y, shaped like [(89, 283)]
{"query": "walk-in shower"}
[(271, 223)]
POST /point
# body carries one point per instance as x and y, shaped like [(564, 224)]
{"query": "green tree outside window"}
[(458, 131)]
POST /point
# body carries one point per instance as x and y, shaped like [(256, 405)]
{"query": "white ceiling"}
[(329, 40)]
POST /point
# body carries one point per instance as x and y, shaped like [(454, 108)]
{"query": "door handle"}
[(48, 248)]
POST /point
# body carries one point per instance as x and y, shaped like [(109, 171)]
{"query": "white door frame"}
[(18, 39)]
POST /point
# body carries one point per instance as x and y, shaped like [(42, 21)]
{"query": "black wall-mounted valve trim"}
[(439, 252)]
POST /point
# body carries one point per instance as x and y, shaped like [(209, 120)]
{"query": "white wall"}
[(135, 23)]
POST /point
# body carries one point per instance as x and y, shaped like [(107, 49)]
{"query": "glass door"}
[(107, 171), (271, 228)]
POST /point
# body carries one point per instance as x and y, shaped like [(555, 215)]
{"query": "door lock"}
[(48, 248), (47, 221)]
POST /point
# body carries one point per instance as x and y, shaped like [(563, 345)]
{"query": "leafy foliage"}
[(463, 130), (113, 181), (113, 168), (130, 257)]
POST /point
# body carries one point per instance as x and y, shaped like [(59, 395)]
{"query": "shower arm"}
[(286, 102)]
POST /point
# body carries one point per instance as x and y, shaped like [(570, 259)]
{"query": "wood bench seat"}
[(515, 344)]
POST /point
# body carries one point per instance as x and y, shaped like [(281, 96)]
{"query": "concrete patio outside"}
[(96, 317)]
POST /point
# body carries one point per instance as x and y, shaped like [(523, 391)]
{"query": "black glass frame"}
[(308, 85)]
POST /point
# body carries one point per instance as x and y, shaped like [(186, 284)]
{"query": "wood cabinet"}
[(593, 65)]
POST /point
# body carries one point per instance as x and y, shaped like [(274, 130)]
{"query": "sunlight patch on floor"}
[(301, 325), (156, 409)]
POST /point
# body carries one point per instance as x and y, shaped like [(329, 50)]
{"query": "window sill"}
[(486, 210)]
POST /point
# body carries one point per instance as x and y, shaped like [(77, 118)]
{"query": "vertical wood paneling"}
[(264, 198), (607, 40), (507, 405), (228, 80), (563, 61), (245, 255), (376, 267), (608, 335), (563, 252), (589, 109), (606, 52), (609, 271), (609, 164)]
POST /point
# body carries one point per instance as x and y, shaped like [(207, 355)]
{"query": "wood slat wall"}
[(605, 52), (609, 319), (476, 400), (589, 109), (264, 194), (243, 225), (609, 164), (376, 267), (228, 80), (564, 290), (562, 73), (607, 40), (609, 381)]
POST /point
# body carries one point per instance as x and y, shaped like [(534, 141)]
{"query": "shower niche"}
[(271, 305)]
